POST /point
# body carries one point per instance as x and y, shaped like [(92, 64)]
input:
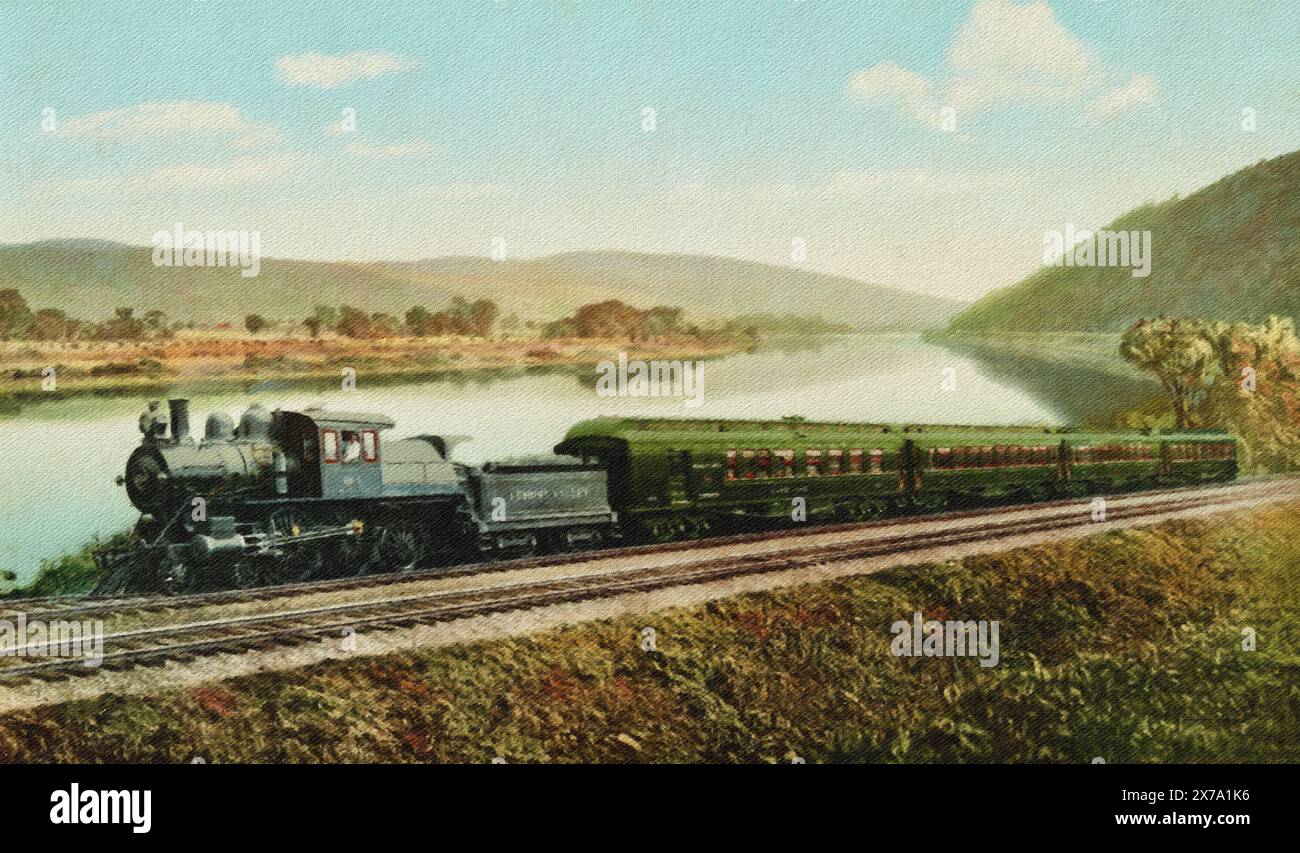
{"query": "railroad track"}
[(154, 646), (65, 607)]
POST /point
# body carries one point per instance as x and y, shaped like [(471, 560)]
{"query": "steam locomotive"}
[(288, 496)]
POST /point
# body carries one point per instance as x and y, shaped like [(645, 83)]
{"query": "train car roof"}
[(754, 433)]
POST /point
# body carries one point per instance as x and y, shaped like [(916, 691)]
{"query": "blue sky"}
[(916, 144)]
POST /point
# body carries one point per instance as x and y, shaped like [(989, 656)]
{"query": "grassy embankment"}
[(1126, 646), (74, 573), (200, 361)]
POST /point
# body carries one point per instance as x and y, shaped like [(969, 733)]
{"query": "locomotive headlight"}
[(145, 478)]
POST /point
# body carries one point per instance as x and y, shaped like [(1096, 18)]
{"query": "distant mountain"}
[(89, 278), (1230, 251)]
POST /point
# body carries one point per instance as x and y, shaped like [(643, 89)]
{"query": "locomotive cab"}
[(340, 452)]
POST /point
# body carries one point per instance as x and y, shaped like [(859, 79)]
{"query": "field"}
[(1125, 646)]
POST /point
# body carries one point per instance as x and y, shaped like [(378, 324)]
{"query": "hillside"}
[(88, 278), (1230, 251)]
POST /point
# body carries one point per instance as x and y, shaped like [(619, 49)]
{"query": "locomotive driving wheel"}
[(297, 561), (666, 529), (399, 547), (247, 574), (347, 556)]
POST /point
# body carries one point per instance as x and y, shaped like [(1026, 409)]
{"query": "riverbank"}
[(207, 362), (1129, 646)]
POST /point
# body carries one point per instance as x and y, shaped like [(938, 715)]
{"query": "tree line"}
[(18, 321), (1235, 376), (615, 319), (462, 317), (477, 318)]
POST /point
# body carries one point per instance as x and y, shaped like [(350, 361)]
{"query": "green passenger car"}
[(679, 477)]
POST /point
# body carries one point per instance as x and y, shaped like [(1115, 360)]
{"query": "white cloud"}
[(689, 189), (170, 118), (890, 82), (916, 182), (1003, 53), (775, 192), (1138, 91), (329, 72), (392, 150), (1008, 52), (466, 191), (239, 172)]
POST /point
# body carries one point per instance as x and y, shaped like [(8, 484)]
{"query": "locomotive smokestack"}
[(180, 409)]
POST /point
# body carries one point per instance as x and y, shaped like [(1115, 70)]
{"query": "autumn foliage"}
[(1234, 376)]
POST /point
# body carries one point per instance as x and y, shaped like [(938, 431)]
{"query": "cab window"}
[(351, 447), (329, 445)]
